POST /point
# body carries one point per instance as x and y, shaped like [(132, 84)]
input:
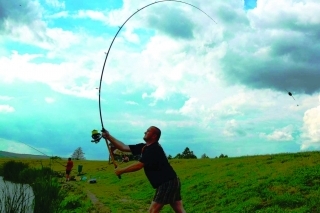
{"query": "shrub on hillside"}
[(48, 195), (30, 175), (55, 158), (11, 170)]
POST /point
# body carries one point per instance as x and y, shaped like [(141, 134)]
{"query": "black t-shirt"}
[(156, 165)]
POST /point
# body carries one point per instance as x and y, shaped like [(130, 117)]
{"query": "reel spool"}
[(96, 136)]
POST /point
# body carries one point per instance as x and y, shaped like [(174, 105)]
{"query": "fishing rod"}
[(95, 134)]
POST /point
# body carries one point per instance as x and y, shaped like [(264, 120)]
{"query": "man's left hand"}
[(118, 171)]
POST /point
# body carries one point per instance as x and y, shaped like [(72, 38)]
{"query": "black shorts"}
[(168, 192), (68, 172)]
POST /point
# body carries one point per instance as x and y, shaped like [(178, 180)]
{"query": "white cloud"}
[(62, 39), (145, 95), (40, 35), (94, 15), (284, 134), (273, 10), (56, 4), (159, 93), (132, 103), (171, 111), (189, 108), (131, 36), (311, 129), (5, 98), (233, 128), (61, 77), (61, 14), (34, 35), (6, 109), (49, 100)]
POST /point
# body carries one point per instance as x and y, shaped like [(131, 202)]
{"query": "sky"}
[(214, 78)]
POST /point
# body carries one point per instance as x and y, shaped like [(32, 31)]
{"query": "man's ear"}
[(154, 135)]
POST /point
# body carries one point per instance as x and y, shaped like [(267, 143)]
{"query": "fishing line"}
[(43, 154)]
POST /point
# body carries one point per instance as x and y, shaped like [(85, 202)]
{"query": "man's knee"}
[(177, 207), (155, 207)]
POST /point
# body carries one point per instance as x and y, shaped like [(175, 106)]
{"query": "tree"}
[(169, 157), (223, 156), (178, 156), (78, 154), (204, 156), (186, 154)]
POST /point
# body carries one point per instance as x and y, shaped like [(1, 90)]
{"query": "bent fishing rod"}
[(95, 134)]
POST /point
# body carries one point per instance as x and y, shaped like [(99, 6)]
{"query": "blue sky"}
[(216, 87)]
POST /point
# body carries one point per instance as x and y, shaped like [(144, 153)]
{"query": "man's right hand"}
[(118, 144), (105, 134)]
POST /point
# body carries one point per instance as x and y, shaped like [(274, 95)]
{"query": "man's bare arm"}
[(118, 144), (131, 168)]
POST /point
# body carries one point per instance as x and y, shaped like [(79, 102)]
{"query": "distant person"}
[(69, 167), (159, 172), (125, 159)]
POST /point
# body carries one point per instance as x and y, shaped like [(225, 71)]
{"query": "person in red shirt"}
[(68, 169)]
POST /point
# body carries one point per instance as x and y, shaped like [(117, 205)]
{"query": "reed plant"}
[(16, 198)]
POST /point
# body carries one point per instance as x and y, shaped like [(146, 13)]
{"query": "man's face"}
[(149, 134)]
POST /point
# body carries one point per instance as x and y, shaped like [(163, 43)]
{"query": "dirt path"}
[(100, 207)]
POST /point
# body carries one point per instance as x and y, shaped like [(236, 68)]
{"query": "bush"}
[(29, 175), (56, 158), (48, 195), (71, 203), (12, 169)]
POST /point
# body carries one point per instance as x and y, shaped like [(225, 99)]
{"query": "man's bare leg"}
[(155, 207), (178, 207)]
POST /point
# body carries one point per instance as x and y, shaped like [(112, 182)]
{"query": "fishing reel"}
[(96, 136)]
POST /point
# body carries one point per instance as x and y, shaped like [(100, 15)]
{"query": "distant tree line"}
[(188, 154), (222, 156), (78, 154), (55, 158)]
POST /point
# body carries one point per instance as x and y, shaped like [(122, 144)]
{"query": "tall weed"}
[(16, 198)]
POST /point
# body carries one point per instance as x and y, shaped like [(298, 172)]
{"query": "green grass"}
[(265, 184)]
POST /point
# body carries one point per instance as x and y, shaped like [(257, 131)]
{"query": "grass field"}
[(267, 183)]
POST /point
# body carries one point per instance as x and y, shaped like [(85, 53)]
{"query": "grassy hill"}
[(265, 184)]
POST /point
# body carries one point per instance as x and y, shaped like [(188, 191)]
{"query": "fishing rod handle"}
[(111, 154)]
